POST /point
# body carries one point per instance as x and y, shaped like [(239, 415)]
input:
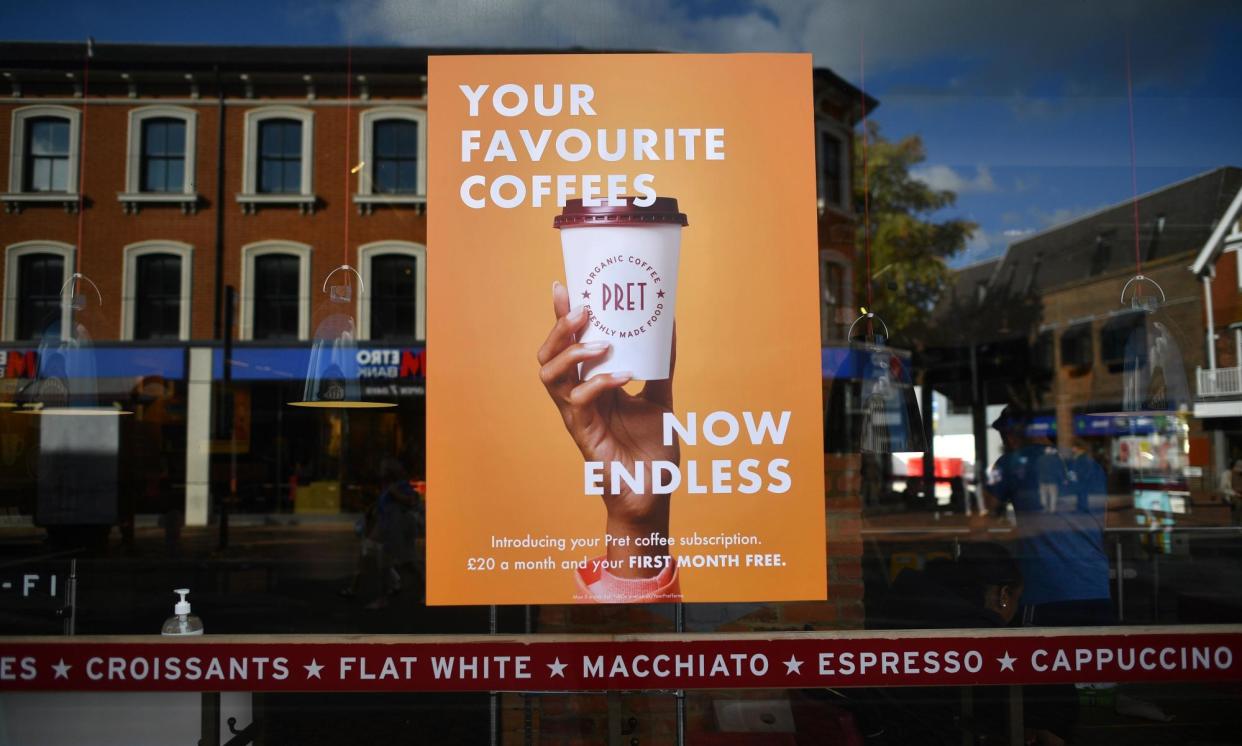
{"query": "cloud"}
[(1005, 49), (944, 177)]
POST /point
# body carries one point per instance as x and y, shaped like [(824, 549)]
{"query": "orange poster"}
[(624, 388)]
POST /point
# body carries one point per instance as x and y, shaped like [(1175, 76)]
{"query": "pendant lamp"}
[(332, 373), (881, 404), (1153, 380), (66, 382)]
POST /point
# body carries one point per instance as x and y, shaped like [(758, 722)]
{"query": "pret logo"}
[(623, 296), (17, 364)]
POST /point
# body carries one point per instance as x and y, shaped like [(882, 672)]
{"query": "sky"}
[(1021, 106)]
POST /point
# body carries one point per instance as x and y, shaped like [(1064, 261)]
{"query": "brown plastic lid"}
[(662, 211)]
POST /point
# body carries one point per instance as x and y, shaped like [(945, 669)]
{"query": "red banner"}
[(544, 663)]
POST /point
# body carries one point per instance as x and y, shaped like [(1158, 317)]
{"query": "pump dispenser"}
[(182, 622)]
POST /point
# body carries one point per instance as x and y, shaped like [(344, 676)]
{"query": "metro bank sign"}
[(387, 363), (19, 364)]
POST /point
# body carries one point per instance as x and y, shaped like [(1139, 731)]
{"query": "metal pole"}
[(229, 310), (210, 719), (978, 426), (493, 709), (1121, 592), (679, 624), (1211, 321), (929, 434), (528, 705), (71, 599), (219, 205)]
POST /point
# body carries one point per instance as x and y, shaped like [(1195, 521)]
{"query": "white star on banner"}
[(558, 668), (1006, 662), (312, 669), (793, 666), (61, 669)]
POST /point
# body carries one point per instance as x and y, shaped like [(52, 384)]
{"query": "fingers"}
[(661, 392), (560, 374), (585, 394), (566, 328), (560, 299)]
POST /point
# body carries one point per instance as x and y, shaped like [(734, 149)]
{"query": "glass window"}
[(830, 148), (47, 155), (394, 295), (395, 157), (277, 305), (1076, 347), (157, 297), (1116, 335), (163, 155), (833, 279), (280, 156), (40, 277)]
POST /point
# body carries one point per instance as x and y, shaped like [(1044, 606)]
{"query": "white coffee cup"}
[(621, 265)]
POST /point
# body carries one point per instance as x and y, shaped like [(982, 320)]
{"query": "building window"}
[(393, 306), (280, 157), (392, 152), (1077, 349), (275, 301), (835, 302), (47, 155), (157, 297), (45, 150), (394, 297), (35, 273), (276, 304), (395, 161), (833, 160), (157, 285), (40, 277), (1116, 336), (278, 154), (163, 155)]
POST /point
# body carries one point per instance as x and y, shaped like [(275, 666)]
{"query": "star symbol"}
[(558, 668), (61, 669), (586, 293), (1007, 662), (793, 666), (312, 669), (659, 293)]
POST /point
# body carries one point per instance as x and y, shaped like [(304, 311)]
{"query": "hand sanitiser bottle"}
[(182, 622)]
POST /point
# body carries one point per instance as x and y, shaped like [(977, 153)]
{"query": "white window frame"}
[(129, 279), (834, 257), (250, 196), (15, 252), (246, 305), (843, 135), (365, 197), (17, 157), (133, 195), (369, 251)]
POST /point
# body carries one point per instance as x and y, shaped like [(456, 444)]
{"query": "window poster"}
[(624, 390)]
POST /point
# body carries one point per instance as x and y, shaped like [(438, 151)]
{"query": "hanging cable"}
[(1138, 258), (349, 91), (86, 82), (862, 97)]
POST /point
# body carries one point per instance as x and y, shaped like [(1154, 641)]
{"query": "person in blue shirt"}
[(1059, 508)]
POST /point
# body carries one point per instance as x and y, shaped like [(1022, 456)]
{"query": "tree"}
[(908, 246)]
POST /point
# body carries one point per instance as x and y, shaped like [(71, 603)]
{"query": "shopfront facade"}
[(209, 194)]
